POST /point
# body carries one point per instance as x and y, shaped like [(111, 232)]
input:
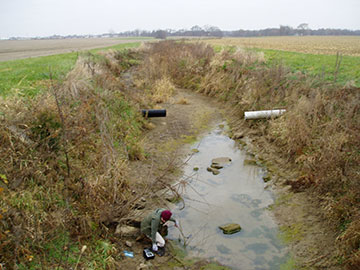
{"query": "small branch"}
[(63, 130), (337, 65)]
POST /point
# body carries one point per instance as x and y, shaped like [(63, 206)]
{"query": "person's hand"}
[(177, 225), (154, 247)]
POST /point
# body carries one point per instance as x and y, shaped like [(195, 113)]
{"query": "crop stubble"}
[(346, 45)]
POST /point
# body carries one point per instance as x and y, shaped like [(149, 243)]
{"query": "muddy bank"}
[(304, 231)]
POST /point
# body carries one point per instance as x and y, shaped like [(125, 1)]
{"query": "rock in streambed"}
[(230, 228), (217, 164), (213, 170)]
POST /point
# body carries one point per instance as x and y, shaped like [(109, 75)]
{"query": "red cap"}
[(166, 215)]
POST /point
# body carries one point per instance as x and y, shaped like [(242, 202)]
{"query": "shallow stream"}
[(236, 195)]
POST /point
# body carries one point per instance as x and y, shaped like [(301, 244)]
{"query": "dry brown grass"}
[(181, 62), (64, 156), (182, 101), (318, 136), (346, 45), (162, 90)]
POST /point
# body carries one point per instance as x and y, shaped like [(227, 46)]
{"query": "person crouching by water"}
[(153, 224)]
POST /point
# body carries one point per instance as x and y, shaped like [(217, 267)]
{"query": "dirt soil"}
[(189, 115), (19, 49)]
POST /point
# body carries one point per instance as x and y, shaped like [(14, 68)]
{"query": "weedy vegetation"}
[(318, 137), (64, 178), (63, 164), (332, 59)]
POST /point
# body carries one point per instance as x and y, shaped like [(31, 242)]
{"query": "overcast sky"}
[(29, 18)]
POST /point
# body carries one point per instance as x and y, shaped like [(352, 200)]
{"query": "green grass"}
[(318, 65), (312, 64), (137, 38), (292, 233), (60, 253), (30, 76), (290, 264), (118, 47)]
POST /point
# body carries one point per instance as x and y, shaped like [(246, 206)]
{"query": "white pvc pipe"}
[(263, 114)]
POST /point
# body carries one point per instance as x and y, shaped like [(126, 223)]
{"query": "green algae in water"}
[(250, 162)]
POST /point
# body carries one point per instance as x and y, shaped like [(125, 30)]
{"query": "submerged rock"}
[(221, 161), (213, 170), (230, 228), (216, 166)]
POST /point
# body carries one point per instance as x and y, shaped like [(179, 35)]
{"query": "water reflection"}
[(236, 195)]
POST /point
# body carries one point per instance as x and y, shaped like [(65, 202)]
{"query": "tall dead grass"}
[(162, 90), (318, 136), (181, 62), (63, 162)]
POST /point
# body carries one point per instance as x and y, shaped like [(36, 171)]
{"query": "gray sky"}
[(47, 17)]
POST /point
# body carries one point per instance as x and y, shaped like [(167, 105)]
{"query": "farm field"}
[(27, 77), (19, 49), (346, 45), (313, 55)]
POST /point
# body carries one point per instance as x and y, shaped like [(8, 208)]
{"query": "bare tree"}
[(161, 34), (303, 28)]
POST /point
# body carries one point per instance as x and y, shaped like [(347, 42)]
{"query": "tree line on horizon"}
[(214, 31)]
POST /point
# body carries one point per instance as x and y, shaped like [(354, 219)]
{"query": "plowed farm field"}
[(19, 49), (346, 45)]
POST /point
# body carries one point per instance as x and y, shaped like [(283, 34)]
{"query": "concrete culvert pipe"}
[(263, 114), (153, 113)]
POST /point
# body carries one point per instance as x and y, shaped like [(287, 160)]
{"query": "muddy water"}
[(236, 195)]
